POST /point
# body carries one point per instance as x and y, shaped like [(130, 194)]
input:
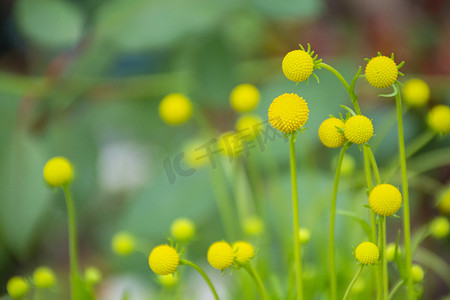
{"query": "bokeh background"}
[(84, 79)]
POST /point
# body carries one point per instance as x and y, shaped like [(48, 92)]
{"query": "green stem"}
[(205, 277), (259, 284), (73, 253), (374, 165), (331, 254), (395, 289), (297, 255), (382, 245), (353, 282), (406, 217)]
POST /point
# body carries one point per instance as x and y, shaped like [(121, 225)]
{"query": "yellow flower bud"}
[(123, 243), (44, 277), (182, 229), (58, 171)]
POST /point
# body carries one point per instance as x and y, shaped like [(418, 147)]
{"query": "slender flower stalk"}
[(353, 282), (205, 277), (297, 254), (332, 254), (406, 217), (257, 279), (382, 247), (73, 247), (395, 289)]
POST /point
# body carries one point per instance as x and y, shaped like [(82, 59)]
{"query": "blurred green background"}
[(83, 79)]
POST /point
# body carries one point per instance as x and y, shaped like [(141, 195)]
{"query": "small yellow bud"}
[(416, 92), (92, 275), (123, 243), (440, 227), (367, 253), (17, 287), (297, 65), (358, 129), (182, 229), (58, 171), (168, 281), (288, 113), (164, 260), (175, 109), (329, 133), (220, 255), (253, 226), (304, 234), (44, 277), (381, 72), (244, 252), (245, 97), (444, 201), (439, 119), (385, 199), (417, 273)]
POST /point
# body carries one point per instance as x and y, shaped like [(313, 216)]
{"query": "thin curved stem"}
[(347, 292), (331, 253), (205, 277), (406, 216), (395, 289), (297, 254), (374, 165), (259, 284), (73, 248)]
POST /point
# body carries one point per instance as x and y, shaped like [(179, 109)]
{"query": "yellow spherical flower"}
[(164, 260), (17, 287), (244, 252), (297, 65), (175, 109), (245, 97), (92, 275), (44, 277), (416, 92), (304, 234), (182, 229), (439, 119), (385, 199), (444, 201), (417, 273), (288, 113), (253, 226), (440, 227), (220, 255), (358, 129), (123, 243), (168, 280), (367, 253), (249, 126), (390, 251), (381, 72), (329, 134), (58, 171)]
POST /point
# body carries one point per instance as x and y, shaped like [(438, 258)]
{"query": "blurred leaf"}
[(290, 8), (49, 23), (364, 225)]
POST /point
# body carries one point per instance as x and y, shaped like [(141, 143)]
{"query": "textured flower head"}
[(44, 277), (329, 133), (381, 72), (288, 113), (58, 171), (220, 255), (92, 275), (245, 97), (439, 119), (123, 243), (253, 226), (297, 65), (367, 253), (164, 260), (385, 199), (244, 252), (417, 273), (358, 129), (249, 126), (416, 92), (304, 235), (182, 230), (17, 287), (175, 109), (440, 227)]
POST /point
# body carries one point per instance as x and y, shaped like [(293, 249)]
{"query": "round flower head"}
[(304, 234), (123, 243), (440, 227), (444, 201), (17, 287), (367, 253), (175, 109), (164, 260), (358, 129), (58, 171), (44, 278), (288, 113), (249, 126), (253, 226), (390, 251), (92, 275), (329, 134), (168, 280), (439, 119), (416, 92), (385, 199), (297, 65), (244, 252), (381, 72), (182, 229), (245, 97), (417, 273), (220, 255)]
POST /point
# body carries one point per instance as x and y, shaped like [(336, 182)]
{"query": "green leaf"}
[(364, 225), (49, 23)]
